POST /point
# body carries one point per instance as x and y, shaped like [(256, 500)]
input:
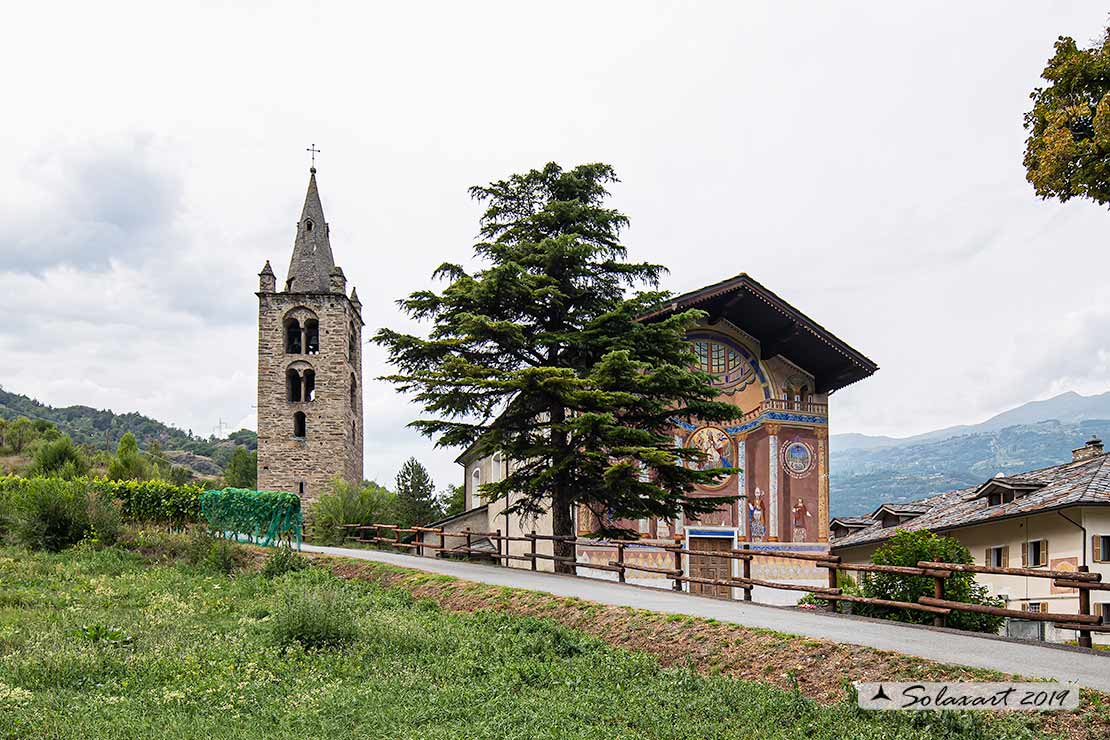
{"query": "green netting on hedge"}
[(264, 517)]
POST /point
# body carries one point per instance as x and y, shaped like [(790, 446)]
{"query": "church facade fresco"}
[(777, 447)]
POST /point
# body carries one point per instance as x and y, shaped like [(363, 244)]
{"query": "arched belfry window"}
[(309, 385), (302, 331), (354, 393), (293, 385), (308, 224), (292, 337), (312, 336), (300, 383), (352, 343), (300, 425)]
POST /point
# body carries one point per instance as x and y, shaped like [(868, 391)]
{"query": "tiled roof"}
[(849, 520), (1086, 482)]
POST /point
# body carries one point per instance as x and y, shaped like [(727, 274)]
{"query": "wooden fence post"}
[(1084, 608), (419, 543), (534, 549), (678, 569), (938, 593), (746, 565), (620, 562), (574, 563), (500, 561), (468, 547), (442, 543), (833, 607)]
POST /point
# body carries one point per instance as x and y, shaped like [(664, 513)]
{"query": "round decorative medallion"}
[(797, 459), (719, 449)]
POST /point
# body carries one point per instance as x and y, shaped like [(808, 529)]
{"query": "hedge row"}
[(154, 501)]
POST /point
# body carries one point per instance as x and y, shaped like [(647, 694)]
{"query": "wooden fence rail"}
[(1084, 622)]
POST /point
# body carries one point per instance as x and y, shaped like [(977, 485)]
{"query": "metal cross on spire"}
[(312, 148)]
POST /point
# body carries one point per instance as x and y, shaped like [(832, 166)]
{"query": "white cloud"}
[(862, 159)]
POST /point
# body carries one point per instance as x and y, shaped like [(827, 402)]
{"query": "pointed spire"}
[(312, 262), (354, 299), (266, 280)]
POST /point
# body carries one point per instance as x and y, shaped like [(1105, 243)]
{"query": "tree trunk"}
[(562, 517), (562, 525)]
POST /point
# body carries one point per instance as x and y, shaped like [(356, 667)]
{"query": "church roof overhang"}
[(780, 329)]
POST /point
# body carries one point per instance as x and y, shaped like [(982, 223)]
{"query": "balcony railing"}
[(786, 404)]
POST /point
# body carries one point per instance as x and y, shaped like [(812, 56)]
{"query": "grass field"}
[(105, 644)]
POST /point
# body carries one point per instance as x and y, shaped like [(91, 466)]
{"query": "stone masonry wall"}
[(332, 446)]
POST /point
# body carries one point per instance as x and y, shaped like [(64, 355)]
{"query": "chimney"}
[(1093, 448)]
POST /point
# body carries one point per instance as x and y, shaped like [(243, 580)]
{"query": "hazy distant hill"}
[(868, 470), (102, 429)]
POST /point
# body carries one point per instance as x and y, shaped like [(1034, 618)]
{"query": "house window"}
[(495, 472), (475, 482), (998, 557), (1105, 609), (299, 425), (1034, 553), (1035, 606), (1100, 548), (999, 497)]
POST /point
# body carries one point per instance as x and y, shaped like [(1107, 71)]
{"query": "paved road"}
[(1041, 660)]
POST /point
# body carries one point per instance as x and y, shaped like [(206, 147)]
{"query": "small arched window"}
[(352, 343), (312, 336), (308, 225), (475, 483), (300, 425), (292, 337), (354, 393)]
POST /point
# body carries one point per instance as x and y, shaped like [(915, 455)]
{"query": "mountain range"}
[(101, 429), (866, 471)]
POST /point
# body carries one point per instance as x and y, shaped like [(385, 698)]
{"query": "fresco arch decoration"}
[(731, 364)]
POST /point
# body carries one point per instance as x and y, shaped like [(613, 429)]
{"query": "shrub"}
[(155, 501), (59, 458), (212, 553), (907, 548), (348, 504), (315, 616), (50, 514), (105, 518), (283, 560)]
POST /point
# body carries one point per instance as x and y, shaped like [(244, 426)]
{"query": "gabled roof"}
[(900, 509), (1020, 485), (780, 329), (852, 522), (1083, 483)]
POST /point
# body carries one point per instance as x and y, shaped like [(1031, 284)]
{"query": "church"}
[(309, 366), (779, 367)]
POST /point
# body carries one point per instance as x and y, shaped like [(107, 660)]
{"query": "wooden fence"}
[(1084, 623)]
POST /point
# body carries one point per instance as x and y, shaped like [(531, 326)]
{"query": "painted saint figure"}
[(798, 515), (758, 521)]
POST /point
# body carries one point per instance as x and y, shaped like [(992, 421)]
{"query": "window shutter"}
[(1044, 607), (1024, 554), (1044, 552), (1005, 556), (987, 557), (1096, 547)]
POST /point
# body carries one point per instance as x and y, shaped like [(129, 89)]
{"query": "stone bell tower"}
[(309, 367)]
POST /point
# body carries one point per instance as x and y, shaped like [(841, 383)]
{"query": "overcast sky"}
[(863, 160)]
